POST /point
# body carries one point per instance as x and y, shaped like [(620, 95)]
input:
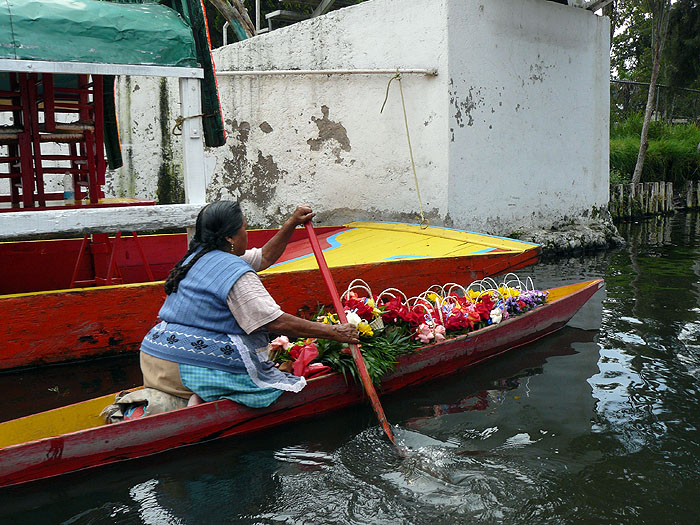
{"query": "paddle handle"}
[(354, 349)]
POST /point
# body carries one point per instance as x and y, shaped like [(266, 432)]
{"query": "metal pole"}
[(297, 72), (257, 16), (224, 30)]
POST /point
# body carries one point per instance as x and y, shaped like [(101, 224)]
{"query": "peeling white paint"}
[(511, 134)]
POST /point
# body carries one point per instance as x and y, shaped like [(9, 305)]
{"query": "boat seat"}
[(10, 133), (79, 127)]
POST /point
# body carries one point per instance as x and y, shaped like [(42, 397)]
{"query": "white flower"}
[(496, 315), (353, 318)]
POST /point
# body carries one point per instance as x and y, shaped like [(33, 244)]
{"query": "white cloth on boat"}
[(154, 402)]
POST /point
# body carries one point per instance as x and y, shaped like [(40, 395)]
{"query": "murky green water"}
[(597, 423)]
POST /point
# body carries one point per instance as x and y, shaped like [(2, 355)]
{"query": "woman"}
[(217, 315)]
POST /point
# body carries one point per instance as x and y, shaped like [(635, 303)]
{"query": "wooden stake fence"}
[(651, 198)]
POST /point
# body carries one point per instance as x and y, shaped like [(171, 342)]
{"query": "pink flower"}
[(424, 333), (439, 332), (282, 342)]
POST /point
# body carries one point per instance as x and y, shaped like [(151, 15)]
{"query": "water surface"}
[(597, 423)]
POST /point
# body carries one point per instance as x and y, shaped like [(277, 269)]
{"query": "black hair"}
[(215, 222)]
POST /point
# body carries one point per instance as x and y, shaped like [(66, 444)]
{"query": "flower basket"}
[(377, 324)]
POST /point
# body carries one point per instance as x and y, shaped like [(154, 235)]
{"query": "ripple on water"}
[(689, 354)]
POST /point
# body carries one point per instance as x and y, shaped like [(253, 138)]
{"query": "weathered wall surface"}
[(146, 110), (322, 140), (512, 134), (528, 115)]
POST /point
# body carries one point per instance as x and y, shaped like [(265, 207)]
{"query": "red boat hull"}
[(52, 327), (137, 438)]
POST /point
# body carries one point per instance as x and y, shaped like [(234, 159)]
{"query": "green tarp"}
[(95, 32)]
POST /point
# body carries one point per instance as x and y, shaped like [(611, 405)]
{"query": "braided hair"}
[(215, 222)]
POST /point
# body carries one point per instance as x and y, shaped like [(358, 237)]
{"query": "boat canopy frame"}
[(112, 23)]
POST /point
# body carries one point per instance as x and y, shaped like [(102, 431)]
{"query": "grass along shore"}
[(673, 154)]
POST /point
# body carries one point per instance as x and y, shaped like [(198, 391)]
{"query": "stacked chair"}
[(64, 110)]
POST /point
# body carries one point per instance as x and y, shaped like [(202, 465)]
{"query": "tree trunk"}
[(659, 32), (236, 12)]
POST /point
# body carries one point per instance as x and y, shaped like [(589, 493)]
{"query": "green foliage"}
[(631, 58), (380, 353), (683, 47), (672, 155)]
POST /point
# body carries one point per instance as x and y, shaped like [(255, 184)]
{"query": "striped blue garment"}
[(210, 384)]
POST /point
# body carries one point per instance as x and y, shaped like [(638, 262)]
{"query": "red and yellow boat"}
[(75, 437), (47, 322)]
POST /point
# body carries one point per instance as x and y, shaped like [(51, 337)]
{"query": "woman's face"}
[(239, 241)]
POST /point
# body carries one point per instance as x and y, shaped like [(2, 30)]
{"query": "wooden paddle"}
[(356, 355)]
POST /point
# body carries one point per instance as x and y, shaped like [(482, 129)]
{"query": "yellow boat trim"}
[(563, 291), (83, 290), (64, 420)]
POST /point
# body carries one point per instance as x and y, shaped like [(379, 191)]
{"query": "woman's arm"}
[(297, 327), (274, 247)]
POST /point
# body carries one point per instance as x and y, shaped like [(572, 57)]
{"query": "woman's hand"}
[(297, 327), (274, 248), (346, 333), (301, 215)]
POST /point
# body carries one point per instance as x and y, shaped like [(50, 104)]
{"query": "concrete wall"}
[(323, 140), (529, 113), (511, 134)]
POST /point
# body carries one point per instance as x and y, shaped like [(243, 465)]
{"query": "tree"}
[(659, 10), (683, 44), (235, 13)]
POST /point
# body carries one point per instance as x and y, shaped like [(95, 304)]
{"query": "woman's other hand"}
[(302, 215), (274, 248), (346, 333)]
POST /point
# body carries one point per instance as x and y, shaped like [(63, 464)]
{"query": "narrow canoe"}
[(74, 437), (53, 326)]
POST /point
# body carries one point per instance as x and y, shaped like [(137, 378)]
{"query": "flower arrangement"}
[(391, 324)]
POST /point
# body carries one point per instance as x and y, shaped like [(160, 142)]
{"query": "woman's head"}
[(220, 226)]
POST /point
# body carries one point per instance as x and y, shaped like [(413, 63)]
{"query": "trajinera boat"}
[(45, 321), (75, 437)]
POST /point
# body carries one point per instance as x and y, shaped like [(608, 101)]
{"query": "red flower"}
[(473, 314), (353, 302), (458, 320), (395, 310), (483, 311), (295, 351), (487, 302)]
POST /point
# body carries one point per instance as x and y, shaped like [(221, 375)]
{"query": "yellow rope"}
[(423, 221), (179, 121)]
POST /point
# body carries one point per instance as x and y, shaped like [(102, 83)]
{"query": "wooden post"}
[(689, 194), (669, 197), (630, 200), (617, 200), (192, 144), (697, 194)]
